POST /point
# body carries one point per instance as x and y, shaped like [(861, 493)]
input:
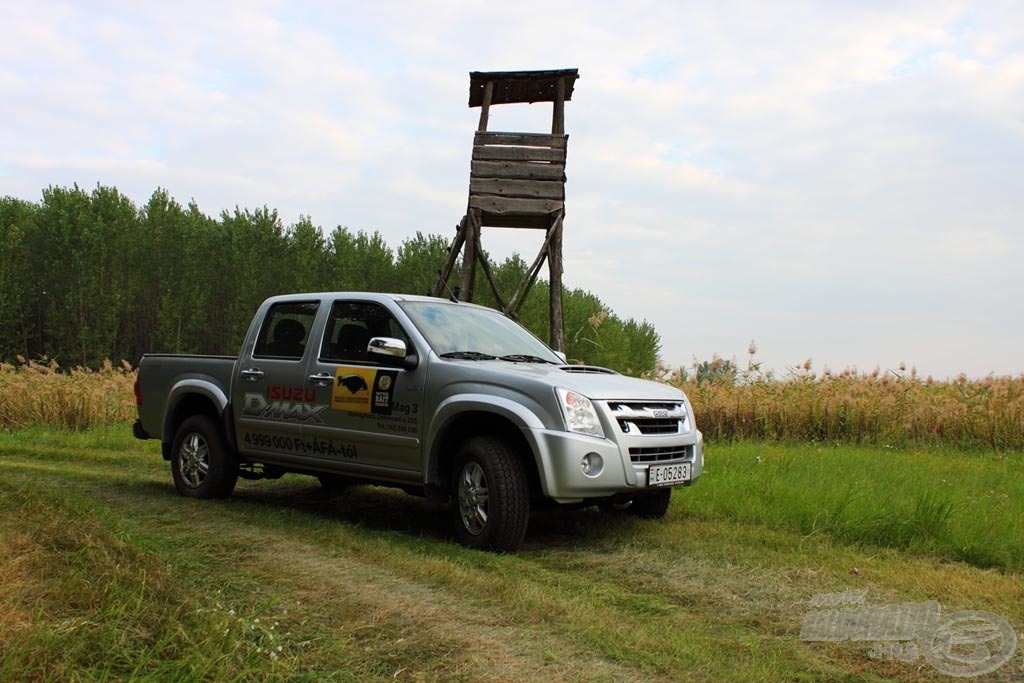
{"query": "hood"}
[(593, 382)]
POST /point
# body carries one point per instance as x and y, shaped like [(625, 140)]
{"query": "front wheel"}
[(201, 464), (490, 495)]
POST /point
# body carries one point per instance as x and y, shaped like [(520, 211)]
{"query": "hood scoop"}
[(587, 370)]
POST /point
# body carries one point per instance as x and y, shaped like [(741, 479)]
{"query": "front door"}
[(373, 418)]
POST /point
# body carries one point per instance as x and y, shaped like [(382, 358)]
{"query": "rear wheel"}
[(490, 495), (201, 465)]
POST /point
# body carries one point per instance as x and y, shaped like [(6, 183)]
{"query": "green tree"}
[(418, 260), (361, 262), (309, 268), (19, 290)]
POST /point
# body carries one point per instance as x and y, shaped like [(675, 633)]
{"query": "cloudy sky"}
[(840, 181)]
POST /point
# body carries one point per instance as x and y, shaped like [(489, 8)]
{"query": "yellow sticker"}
[(352, 388)]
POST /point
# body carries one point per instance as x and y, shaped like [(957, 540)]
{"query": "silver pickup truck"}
[(444, 399)]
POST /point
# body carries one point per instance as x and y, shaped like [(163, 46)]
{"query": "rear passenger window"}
[(285, 330)]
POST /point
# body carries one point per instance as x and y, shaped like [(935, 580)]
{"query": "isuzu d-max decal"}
[(257, 405)]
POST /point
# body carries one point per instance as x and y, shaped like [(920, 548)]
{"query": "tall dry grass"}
[(879, 408), (41, 392), (894, 408)]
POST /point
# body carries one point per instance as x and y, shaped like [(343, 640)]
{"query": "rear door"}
[(272, 398)]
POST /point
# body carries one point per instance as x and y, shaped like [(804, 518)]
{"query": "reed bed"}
[(894, 408), (43, 393)]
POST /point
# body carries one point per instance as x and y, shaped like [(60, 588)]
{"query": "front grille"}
[(660, 453), (648, 419)]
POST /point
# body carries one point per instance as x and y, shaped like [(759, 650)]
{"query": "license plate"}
[(668, 475)]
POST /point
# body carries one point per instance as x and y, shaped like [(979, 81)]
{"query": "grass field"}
[(108, 575)]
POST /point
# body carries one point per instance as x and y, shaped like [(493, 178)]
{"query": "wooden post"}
[(558, 113), (472, 227), (555, 280), (485, 108)]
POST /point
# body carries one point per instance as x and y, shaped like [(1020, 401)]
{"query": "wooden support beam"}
[(538, 221), (449, 262), (523, 288), (486, 266)]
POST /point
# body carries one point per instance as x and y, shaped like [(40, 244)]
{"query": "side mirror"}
[(393, 352), (562, 356)]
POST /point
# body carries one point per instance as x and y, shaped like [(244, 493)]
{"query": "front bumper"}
[(560, 456)]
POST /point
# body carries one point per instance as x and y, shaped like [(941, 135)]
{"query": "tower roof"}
[(520, 86)]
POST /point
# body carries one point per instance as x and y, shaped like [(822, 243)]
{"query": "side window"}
[(351, 327), (285, 330)]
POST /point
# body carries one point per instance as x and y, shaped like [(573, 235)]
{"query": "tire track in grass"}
[(488, 647)]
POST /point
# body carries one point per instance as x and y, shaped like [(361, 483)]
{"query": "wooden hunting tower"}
[(516, 180)]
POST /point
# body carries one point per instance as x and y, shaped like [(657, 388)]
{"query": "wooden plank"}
[(513, 205), (527, 189), (521, 139), (489, 153), (523, 170)]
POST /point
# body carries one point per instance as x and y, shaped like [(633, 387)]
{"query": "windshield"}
[(455, 329)]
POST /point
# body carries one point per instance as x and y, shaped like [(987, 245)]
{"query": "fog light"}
[(591, 464)]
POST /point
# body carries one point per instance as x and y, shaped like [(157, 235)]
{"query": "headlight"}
[(579, 413)]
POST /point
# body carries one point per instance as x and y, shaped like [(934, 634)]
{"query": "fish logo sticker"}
[(359, 389)]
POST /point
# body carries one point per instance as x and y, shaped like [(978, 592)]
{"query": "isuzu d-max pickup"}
[(444, 399)]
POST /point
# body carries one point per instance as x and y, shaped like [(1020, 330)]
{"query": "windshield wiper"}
[(468, 355), (526, 358)]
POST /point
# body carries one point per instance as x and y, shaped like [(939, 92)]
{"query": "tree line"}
[(87, 276)]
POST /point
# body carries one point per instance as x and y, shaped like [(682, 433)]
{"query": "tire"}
[(201, 464), (490, 496), (650, 505)]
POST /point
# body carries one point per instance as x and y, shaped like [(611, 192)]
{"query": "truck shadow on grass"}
[(378, 509)]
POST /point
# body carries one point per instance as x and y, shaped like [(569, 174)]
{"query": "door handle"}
[(251, 374), (321, 379)]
